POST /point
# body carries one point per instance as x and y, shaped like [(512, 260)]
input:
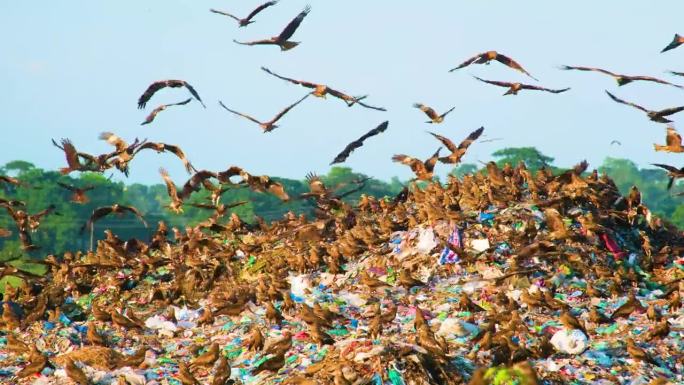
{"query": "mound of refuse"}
[(508, 277)]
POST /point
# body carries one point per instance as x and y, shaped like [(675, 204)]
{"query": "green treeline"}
[(58, 233)]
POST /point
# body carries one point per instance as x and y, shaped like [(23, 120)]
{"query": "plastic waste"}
[(570, 341)]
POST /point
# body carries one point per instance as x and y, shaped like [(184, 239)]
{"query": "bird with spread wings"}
[(673, 172), (676, 42), (656, 116), (78, 193), (342, 156), (282, 39), (487, 57), (423, 169), (116, 208), (514, 88), (673, 142), (457, 152), (430, 112), (150, 118), (271, 124), (321, 90), (247, 20), (158, 85)]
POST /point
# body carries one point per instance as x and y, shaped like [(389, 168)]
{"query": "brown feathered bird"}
[(78, 193), (164, 147), (74, 372), (272, 364), (342, 156), (256, 339), (208, 358), (434, 117), (247, 20), (487, 57), (282, 40), (158, 85), (150, 118), (185, 375), (37, 362), (422, 169), (570, 322), (621, 79), (673, 142), (321, 90), (673, 172), (123, 321), (221, 372), (116, 208), (656, 116), (515, 87), (269, 125), (676, 42), (457, 152), (407, 281), (597, 317), (638, 353), (627, 308), (176, 204), (94, 338)]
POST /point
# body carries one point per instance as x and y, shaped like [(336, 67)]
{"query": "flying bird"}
[(434, 118), (116, 208), (422, 169), (282, 39), (612, 142), (161, 108), (73, 157), (269, 125), (673, 172), (621, 79), (78, 193), (321, 90), (656, 116), (513, 88), (673, 142), (342, 156), (176, 202), (487, 57), (457, 152), (163, 147), (247, 20), (676, 42), (158, 85), (676, 73)]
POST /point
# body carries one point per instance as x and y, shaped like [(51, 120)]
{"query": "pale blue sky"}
[(76, 68)]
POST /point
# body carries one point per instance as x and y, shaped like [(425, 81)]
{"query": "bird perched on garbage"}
[(673, 172), (407, 281), (15, 345), (9, 319), (123, 321), (185, 376), (282, 39), (515, 87), (675, 301), (94, 338), (660, 330), (371, 282), (272, 364), (37, 362), (597, 317), (74, 372), (676, 42), (673, 142), (318, 336), (434, 118), (422, 169), (652, 313), (256, 339), (419, 319), (99, 314), (570, 322), (207, 358), (272, 314), (466, 304), (247, 20), (221, 372), (487, 57), (280, 346), (627, 308), (457, 152), (638, 353), (656, 116)]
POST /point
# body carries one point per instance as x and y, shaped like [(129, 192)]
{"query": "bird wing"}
[(97, 214), (666, 167), (256, 42), (494, 82), (445, 141), (676, 73), (66, 186), (615, 98), (135, 212), (670, 111), (114, 140), (538, 88), (153, 114), (673, 139), (415, 164), (432, 161), (470, 139), (359, 102), (195, 181), (70, 152), (427, 110), (592, 69), (288, 108), (294, 81), (316, 185), (673, 44), (170, 186), (194, 93), (468, 62), (654, 80), (447, 112), (224, 14), (175, 150), (512, 63), (293, 25), (239, 113), (260, 8), (151, 89), (342, 156)]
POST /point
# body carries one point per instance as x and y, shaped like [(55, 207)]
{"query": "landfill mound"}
[(508, 277)]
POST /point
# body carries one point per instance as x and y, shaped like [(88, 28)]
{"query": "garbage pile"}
[(508, 277)]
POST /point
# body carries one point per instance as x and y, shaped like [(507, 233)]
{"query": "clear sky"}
[(76, 68)]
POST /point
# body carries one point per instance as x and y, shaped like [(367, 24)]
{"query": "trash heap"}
[(508, 277)]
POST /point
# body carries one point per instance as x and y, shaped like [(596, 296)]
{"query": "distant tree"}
[(533, 158), (18, 165)]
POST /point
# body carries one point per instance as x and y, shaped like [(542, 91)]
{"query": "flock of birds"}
[(336, 236)]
